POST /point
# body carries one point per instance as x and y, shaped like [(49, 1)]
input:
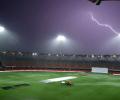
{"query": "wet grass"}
[(88, 87)]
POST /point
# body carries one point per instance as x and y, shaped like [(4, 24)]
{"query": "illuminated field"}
[(85, 86)]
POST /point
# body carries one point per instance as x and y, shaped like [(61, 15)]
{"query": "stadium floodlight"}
[(114, 56), (60, 43), (61, 38), (34, 54), (2, 29), (49, 54), (118, 35), (92, 56), (98, 2), (20, 53), (57, 55)]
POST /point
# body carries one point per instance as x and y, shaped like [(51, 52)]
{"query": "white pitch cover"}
[(99, 70)]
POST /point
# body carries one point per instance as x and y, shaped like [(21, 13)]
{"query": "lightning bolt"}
[(103, 25)]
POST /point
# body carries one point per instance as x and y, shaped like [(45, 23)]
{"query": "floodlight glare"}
[(2, 29), (34, 54), (61, 38), (119, 35)]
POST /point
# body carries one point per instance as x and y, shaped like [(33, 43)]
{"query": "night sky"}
[(32, 25)]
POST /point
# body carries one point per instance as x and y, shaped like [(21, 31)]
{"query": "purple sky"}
[(33, 24)]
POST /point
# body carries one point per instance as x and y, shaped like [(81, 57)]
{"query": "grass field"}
[(89, 87)]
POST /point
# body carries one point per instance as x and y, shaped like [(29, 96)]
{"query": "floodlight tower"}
[(61, 39), (98, 2), (2, 29)]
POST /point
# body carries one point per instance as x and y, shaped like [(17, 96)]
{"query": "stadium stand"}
[(28, 60)]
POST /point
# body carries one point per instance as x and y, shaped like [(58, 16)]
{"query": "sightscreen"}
[(99, 70)]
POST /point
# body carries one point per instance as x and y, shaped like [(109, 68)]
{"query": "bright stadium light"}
[(60, 42), (118, 35), (2, 29), (34, 54), (61, 38), (49, 54)]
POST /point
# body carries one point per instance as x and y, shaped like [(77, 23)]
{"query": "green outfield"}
[(85, 87)]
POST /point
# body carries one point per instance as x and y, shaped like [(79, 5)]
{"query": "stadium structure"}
[(13, 60), (50, 76), (98, 2)]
